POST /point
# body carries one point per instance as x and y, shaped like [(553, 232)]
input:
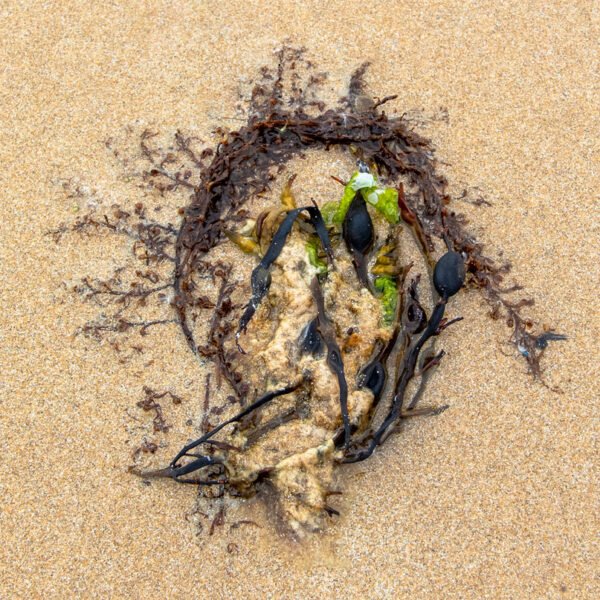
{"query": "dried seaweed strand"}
[(174, 470), (334, 355)]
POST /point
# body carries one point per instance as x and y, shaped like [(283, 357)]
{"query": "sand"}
[(496, 498)]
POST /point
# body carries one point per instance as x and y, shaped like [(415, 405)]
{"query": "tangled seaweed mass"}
[(333, 347)]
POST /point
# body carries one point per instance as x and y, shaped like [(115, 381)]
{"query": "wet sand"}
[(496, 498)]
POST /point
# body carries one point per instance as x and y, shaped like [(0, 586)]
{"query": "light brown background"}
[(497, 499)]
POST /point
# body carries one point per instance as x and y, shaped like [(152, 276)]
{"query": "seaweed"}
[(149, 403), (358, 233), (285, 118), (177, 471), (451, 275), (334, 355)]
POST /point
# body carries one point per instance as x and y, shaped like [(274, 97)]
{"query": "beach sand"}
[(496, 498)]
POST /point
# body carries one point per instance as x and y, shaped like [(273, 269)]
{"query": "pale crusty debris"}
[(299, 454)]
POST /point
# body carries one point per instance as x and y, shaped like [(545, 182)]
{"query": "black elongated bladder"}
[(310, 340), (359, 235), (334, 355), (449, 274)]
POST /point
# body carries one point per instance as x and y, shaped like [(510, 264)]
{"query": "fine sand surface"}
[(496, 498)]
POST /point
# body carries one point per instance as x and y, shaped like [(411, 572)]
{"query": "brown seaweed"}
[(282, 123), (285, 118), (448, 271), (334, 355)]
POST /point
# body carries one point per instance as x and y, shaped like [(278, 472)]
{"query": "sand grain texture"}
[(496, 499)]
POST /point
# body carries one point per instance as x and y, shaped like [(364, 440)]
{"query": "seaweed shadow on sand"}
[(285, 119)]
